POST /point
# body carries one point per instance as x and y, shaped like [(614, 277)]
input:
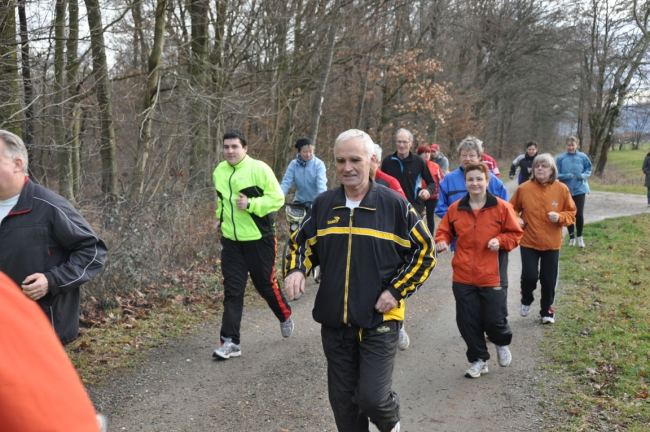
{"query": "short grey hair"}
[(14, 148), (378, 152), (574, 139), (356, 133), (545, 158), (471, 143), (410, 134)]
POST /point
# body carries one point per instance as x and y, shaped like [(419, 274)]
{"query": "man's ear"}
[(373, 158), (18, 164)]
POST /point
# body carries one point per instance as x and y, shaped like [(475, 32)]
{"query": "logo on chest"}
[(333, 221), (554, 204)]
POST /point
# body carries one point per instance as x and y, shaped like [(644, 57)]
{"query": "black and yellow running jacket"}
[(256, 180), (382, 244)]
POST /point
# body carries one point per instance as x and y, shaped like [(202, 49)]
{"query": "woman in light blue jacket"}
[(573, 169), (307, 172)]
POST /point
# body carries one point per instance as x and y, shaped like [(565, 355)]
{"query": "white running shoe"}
[(548, 320), (503, 355), (524, 310), (572, 242), (404, 340), (227, 350), (581, 242), (478, 368)]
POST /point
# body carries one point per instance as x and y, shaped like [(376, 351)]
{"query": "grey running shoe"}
[(524, 310), (227, 350), (572, 242), (478, 368), (581, 242), (286, 328), (404, 340), (102, 422), (503, 355)]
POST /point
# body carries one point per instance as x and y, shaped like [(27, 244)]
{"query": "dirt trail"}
[(280, 385)]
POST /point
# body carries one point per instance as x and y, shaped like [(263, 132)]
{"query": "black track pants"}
[(579, 200), (543, 266), (238, 259), (481, 311), (360, 375), (430, 206)]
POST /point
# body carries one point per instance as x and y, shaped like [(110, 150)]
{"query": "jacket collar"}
[(491, 201), (407, 158), (25, 200), (369, 200)]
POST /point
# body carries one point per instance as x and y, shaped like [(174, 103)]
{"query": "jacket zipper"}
[(232, 210), (347, 270)]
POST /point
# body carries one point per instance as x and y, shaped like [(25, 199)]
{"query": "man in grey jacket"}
[(47, 248)]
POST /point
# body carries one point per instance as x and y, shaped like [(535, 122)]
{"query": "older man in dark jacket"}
[(47, 248)]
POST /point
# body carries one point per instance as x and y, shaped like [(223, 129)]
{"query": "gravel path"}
[(280, 385)]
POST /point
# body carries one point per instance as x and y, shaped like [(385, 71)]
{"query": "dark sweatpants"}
[(430, 206), (360, 375), (480, 311), (579, 200), (543, 266), (238, 259)]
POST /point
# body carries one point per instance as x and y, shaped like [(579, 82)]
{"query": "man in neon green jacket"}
[(248, 195)]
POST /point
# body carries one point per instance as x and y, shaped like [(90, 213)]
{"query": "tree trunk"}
[(150, 98), (62, 148), (198, 82), (73, 109), (316, 110), (103, 91), (10, 106), (28, 90)]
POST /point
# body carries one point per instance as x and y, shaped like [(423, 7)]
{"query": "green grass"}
[(600, 346), (622, 173)]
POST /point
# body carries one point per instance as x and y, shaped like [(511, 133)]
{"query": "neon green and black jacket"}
[(256, 180)]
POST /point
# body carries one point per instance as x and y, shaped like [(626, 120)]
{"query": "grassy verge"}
[(622, 173), (601, 343)]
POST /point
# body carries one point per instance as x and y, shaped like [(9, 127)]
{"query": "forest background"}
[(122, 103)]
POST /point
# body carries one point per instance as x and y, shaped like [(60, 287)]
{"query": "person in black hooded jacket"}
[(48, 249), (524, 162)]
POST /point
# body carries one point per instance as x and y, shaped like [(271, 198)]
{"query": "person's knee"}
[(370, 401)]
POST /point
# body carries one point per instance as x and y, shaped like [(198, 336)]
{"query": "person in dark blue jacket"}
[(525, 163)]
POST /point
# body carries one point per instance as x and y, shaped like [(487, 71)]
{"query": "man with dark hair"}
[(46, 247), (248, 195)]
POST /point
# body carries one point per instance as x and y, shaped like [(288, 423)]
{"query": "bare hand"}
[(521, 222), (424, 194), (242, 201), (35, 286), (386, 302), (442, 247), (217, 225), (511, 177), (493, 245), (553, 217), (294, 285)]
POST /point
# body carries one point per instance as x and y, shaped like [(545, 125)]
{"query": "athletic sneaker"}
[(503, 355), (581, 242), (572, 242), (524, 310), (395, 428), (404, 340), (548, 320), (227, 350), (478, 368), (102, 422), (286, 328)]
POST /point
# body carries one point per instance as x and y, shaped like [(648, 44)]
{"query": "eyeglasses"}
[(402, 142), (542, 166)]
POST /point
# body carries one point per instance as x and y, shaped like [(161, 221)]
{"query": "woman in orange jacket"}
[(486, 229), (545, 205)]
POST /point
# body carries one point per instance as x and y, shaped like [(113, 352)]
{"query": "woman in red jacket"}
[(486, 229), (430, 205)]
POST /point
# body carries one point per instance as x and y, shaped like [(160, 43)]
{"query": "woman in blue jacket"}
[(307, 172), (573, 169)]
